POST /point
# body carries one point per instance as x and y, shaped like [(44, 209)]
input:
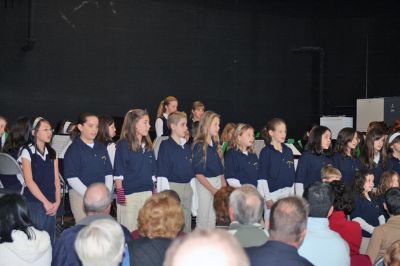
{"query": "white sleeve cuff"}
[(162, 184), (77, 185), (233, 182), (109, 182), (299, 188), (263, 188), (382, 219), (119, 177), (364, 225)]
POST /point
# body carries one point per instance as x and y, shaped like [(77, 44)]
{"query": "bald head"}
[(97, 199), (246, 204)]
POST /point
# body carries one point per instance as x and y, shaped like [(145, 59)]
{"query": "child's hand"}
[(269, 204)]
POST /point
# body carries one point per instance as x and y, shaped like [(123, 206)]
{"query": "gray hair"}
[(101, 243), (97, 198), (247, 204), (288, 219), (206, 247)]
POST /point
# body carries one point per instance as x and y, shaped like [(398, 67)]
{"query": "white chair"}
[(10, 167)]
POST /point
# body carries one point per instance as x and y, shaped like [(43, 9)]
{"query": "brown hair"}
[(227, 132), (392, 254), (203, 134), (103, 136), (82, 119), (128, 131), (271, 125), (240, 129), (161, 216), (384, 183), (328, 172), (163, 103), (221, 205)]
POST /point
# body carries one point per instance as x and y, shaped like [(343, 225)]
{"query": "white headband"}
[(393, 136), (37, 120), (65, 128)]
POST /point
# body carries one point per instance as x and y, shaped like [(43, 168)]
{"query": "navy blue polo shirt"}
[(347, 165), (309, 168), (241, 166), (137, 168), (175, 161), (277, 167), (394, 164), (367, 210), (89, 164), (211, 167)]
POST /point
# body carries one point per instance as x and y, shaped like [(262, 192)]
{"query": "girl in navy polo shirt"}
[(40, 167), (367, 211), (391, 153), (315, 156), (345, 158), (195, 115), (106, 134), (207, 165), (174, 163), (134, 167), (371, 153), (276, 164), (86, 162), (241, 163), (166, 107)]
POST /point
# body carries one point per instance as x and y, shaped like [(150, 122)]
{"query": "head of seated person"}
[(344, 197), (97, 199), (100, 243), (206, 247), (392, 254), (245, 205), (320, 199), (330, 174), (392, 201), (221, 206), (161, 217)]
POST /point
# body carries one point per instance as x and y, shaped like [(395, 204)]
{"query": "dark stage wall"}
[(110, 56)]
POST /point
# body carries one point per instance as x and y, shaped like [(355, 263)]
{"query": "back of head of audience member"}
[(97, 199), (344, 197), (392, 201), (288, 220), (246, 205), (392, 255), (101, 243), (161, 216), (211, 248), (330, 173), (320, 199), (13, 216), (221, 205)]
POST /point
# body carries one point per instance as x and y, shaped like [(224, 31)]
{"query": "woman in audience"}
[(160, 220), (371, 153), (221, 206), (86, 161), (21, 244), (167, 106), (106, 133), (315, 156), (345, 158), (40, 167), (367, 211), (18, 137)]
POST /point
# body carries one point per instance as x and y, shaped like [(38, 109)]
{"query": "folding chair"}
[(10, 167)]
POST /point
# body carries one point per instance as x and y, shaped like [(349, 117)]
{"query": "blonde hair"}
[(161, 216), (101, 243), (227, 132), (203, 135), (329, 172), (385, 182), (175, 117), (128, 131), (240, 129), (163, 103), (392, 254)]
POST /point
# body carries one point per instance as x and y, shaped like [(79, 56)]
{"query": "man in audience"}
[(97, 204), (385, 234), (322, 246), (101, 243), (206, 247), (287, 228), (245, 210)]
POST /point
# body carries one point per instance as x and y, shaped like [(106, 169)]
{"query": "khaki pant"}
[(127, 215), (206, 214), (76, 202), (185, 193)]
